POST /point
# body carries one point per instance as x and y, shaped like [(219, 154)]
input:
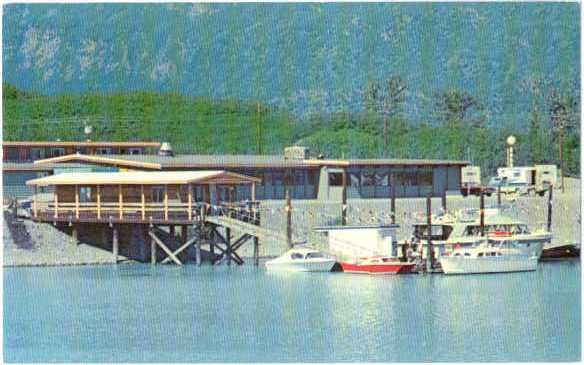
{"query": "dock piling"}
[(115, 243), (288, 209), (499, 196), (549, 206), (392, 206), (482, 213), (256, 252), (429, 256), (344, 199)]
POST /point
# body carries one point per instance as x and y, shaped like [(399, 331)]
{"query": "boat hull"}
[(305, 266), (485, 265), (558, 252), (378, 269)]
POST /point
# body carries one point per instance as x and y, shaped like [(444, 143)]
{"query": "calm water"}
[(165, 314)]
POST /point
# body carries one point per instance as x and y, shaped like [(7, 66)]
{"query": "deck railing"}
[(139, 212)]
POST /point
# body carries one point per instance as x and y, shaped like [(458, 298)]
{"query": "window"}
[(354, 179), (297, 256), (480, 254), (288, 177), (314, 255), (368, 178), (103, 151), (37, 153), (466, 254), (85, 194), (382, 178), (158, 194), (135, 151), (57, 151), (425, 177), (12, 154), (335, 178)]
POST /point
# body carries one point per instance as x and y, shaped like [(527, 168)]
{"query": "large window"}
[(335, 178), (158, 194), (85, 194), (368, 177)]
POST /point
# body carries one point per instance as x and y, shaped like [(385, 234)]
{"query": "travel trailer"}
[(535, 179)]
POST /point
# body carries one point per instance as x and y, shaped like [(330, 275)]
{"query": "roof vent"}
[(296, 153), (165, 149)]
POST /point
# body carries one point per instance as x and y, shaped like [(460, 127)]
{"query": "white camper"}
[(536, 179), (470, 175)]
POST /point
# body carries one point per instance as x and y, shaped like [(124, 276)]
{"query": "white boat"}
[(301, 259), (487, 259), (463, 230)]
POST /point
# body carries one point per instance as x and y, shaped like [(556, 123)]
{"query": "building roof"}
[(144, 178), (157, 162), (242, 161), (100, 160), (78, 144)]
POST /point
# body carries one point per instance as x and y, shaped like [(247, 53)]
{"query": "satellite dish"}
[(511, 140)]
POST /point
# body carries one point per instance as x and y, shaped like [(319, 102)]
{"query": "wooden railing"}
[(141, 211)]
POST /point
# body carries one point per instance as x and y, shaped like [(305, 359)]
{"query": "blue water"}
[(141, 313)]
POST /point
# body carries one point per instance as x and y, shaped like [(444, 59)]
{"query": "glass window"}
[(288, 177), (354, 179), (297, 256), (314, 255), (85, 194), (135, 151), (368, 177), (335, 179), (466, 254), (37, 153), (278, 178), (158, 194), (425, 177), (57, 151), (480, 254), (299, 177), (381, 178), (313, 177), (103, 151)]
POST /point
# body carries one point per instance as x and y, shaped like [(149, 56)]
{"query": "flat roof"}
[(157, 162), (144, 178), (239, 161), (78, 144)]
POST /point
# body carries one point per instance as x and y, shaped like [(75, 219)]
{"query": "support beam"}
[(392, 207), (77, 201), (429, 257), (165, 202), (444, 207), (198, 252), (56, 203), (256, 251), (143, 202), (98, 202), (152, 251), (190, 204), (115, 243), (183, 247), (34, 202), (482, 213), (288, 210), (549, 206), (344, 199), (228, 243), (120, 201), (164, 248)]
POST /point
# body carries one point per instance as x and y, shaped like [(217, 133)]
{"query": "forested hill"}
[(205, 126), (306, 58)]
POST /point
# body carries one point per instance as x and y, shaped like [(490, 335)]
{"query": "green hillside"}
[(198, 125)]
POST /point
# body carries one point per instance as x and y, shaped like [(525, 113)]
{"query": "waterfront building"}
[(304, 176)]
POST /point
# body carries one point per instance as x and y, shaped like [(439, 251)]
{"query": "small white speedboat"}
[(487, 259), (302, 259)]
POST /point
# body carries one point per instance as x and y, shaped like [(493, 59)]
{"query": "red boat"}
[(379, 265)]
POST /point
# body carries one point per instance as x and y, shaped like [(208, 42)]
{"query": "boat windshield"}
[(314, 255), (297, 256), (493, 228), (439, 232)]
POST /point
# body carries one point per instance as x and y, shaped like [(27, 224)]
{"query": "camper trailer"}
[(529, 180), (470, 181)]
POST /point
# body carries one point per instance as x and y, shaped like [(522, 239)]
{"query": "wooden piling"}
[(482, 213), (256, 251), (549, 212), (499, 196), (344, 199), (429, 257), (75, 234), (228, 244), (115, 243), (392, 205), (444, 207), (288, 209), (152, 251), (198, 252)]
